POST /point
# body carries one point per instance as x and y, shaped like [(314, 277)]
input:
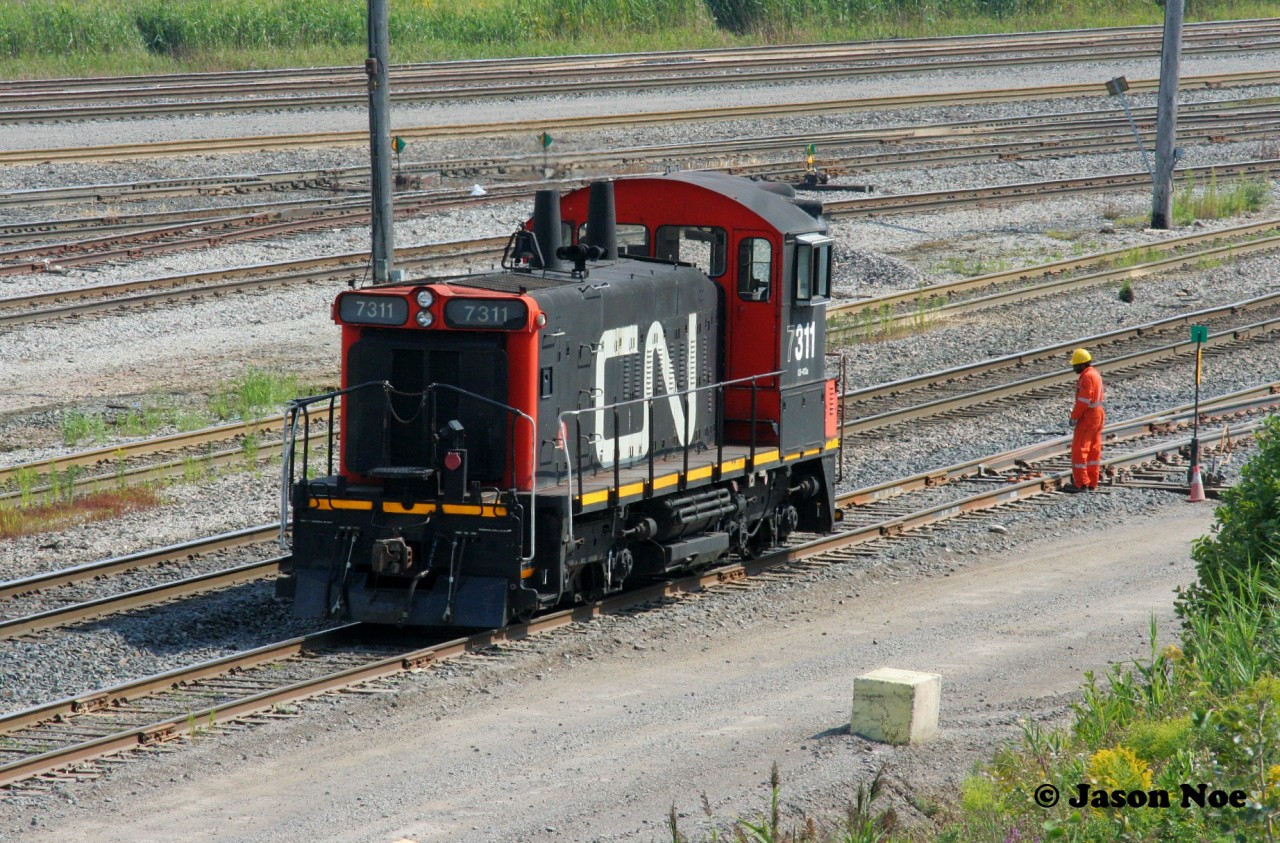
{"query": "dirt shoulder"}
[(596, 735)]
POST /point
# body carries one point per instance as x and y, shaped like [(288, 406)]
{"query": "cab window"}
[(703, 246), (755, 269), (633, 239), (812, 267)]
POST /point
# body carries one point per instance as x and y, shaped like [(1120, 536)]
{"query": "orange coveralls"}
[(1088, 418)]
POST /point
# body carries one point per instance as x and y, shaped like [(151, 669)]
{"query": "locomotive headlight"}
[(424, 316), (425, 299)]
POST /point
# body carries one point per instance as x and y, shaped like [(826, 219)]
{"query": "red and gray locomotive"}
[(640, 391)]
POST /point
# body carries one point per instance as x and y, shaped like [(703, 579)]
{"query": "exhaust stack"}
[(602, 221), (546, 231)]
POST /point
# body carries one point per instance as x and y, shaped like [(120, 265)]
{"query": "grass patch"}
[(65, 510), (1136, 256), (256, 393), (969, 266), (1212, 201), (77, 37), (252, 395)]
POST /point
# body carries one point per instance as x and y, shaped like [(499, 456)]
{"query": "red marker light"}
[(452, 460)]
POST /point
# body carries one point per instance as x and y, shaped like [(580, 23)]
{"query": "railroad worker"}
[(1087, 419)]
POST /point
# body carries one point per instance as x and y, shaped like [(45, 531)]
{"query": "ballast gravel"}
[(192, 347)]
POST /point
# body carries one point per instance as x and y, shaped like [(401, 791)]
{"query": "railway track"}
[(134, 561), (310, 216), (868, 408), (417, 84), (604, 121), (1217, 121), (909, 308), (886, 315), (54, 741)]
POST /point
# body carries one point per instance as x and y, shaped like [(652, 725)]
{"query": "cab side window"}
[(813, 267), (703, 246), (633, 238), (755, 269)]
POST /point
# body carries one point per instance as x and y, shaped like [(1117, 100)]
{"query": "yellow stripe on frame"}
[(631, 489), (329, 503), (665, 481), (395, 508)]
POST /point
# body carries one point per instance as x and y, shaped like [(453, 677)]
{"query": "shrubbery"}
[(1206, 712)]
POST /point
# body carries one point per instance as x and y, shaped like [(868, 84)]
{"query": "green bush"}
[(1245, 538)]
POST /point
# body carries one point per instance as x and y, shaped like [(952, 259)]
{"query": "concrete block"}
[(896, 706)]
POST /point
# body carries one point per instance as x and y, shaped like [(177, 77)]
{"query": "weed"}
[(253, 395), (1212, 201), (249, 448), (77, 427), (26, 478), (31, 518), (193, 469), (1126, 292), (120, 468), (974, 265)]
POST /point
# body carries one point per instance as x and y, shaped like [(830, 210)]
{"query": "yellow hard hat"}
[(1079, 356)]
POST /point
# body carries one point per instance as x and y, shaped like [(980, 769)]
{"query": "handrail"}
[(719, 386), (298, 407)]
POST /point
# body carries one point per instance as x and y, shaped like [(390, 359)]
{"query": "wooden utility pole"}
[(1167, 116), (376, 67)]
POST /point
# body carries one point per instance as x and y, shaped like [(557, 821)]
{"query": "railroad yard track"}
[(927, 302), (1233, 325), (604, 121), (59, 100), (843, 151), (67, 739)]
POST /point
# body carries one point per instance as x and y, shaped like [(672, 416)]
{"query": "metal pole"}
[(1167, 116), (1195, 424), (1137, 136), (376, 68)]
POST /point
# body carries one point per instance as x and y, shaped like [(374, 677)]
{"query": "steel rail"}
[(1208, 117), (1003, 193), (940, 199), (141, 598), (132, 293), (156, 471), (380, 668), (406, 94), (501, 129), (1021, 387), (128, 450), (1000, 298), (1252, 399), (133, 561), (1056, 350), (948, 288), (107, 698), (1203, 36)]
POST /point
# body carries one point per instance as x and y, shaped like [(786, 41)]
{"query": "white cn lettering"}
[(621, 342)]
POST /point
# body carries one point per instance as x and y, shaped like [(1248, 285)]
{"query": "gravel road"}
[(597, 731)]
